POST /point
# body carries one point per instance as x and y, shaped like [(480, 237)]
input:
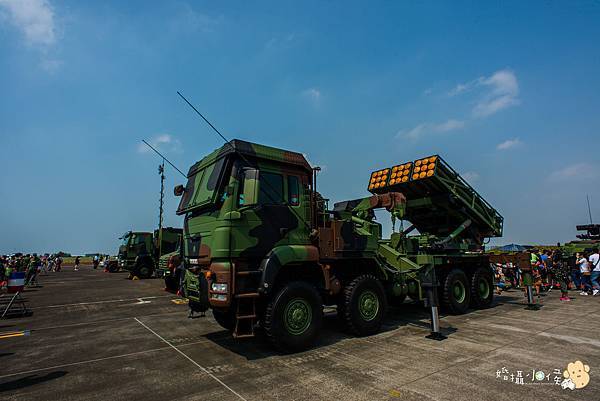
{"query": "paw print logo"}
[(576, 376)]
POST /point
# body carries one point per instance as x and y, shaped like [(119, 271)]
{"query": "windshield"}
[(125, 239), (202, 186)]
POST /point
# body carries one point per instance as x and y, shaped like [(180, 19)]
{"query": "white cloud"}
[(470, 176), (51, 65), (501, 90), (313, 95), (35, 18), (509, 143), (281, 42), (431, 128), (163, 143), (575, 171), (191, 21)]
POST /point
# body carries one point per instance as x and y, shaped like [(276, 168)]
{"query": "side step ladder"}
[(245, 315)]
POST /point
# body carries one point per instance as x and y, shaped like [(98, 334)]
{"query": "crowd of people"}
[(32, 264), (551, 269)]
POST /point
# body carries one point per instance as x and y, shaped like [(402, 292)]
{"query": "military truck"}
[(167, 269), (111, 264), (584, 242), (139, 251), (261, 245)]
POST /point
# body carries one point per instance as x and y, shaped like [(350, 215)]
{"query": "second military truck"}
[(261, 246), (140, 251)]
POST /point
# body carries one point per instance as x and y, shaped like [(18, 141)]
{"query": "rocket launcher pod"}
[(440, 201)]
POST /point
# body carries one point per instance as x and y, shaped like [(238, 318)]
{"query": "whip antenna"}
[(164, 158), (204, 118), (240, 155)]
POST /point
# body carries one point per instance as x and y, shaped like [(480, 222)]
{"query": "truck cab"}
[(135, 245), (139, 250)]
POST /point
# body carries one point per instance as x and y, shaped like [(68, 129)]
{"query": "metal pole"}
[(161, 171), (528, 281), (530, 295), (430, 286), (589, 209)]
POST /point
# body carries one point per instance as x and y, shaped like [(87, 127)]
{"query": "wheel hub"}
[(368, 305), (459, 292), (484, 289), (297, 316)]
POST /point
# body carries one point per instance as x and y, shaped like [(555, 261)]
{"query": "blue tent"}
[(512, 248)]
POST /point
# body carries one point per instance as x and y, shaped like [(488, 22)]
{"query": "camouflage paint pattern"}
[(225, 236)]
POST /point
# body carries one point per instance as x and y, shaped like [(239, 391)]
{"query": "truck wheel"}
[(225, 319), (456, 294), (482, 288), (144, 271), (363, 305), (293, 317)]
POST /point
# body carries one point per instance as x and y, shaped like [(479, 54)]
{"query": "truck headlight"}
[(219, 287), (218, 297)]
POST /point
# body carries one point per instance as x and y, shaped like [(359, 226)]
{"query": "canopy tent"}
[(512, 248)]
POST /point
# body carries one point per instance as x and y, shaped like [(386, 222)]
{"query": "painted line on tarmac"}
[(101, 302), (72, 281), (572, 339), (12, 334), (96, 322), (191, 360), (90, 361)]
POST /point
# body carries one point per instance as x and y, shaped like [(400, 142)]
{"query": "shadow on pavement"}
[(332, 331), (31, 380)]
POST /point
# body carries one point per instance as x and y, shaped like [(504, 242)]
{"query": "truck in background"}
[(140, 251), (168, 268)]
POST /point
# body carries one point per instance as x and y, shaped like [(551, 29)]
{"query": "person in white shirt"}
[(594, 261), (584, 268)]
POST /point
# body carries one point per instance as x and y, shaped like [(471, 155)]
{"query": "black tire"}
[(482, 288), (144, 271), (226, 319), (456, 294), (293, 317), (363, 305)]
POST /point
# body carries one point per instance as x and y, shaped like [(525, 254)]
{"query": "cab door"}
[(268, 223)]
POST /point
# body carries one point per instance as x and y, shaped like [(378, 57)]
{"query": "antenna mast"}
[(161, 171), (589, 209)]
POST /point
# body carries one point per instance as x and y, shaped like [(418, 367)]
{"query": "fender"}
[(281, 256)]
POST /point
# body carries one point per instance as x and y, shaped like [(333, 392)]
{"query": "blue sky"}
[(508, 93)]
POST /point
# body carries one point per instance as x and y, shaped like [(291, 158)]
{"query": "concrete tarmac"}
[(99, 336)]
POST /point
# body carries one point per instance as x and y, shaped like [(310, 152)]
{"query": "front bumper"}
[(212, 285)]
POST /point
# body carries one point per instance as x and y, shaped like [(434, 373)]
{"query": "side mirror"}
[(251, 187), (179, 190)]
